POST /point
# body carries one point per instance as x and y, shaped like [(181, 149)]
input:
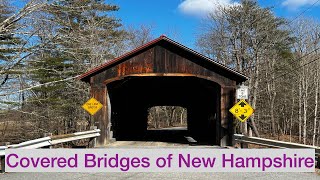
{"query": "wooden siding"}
[(160, 60)]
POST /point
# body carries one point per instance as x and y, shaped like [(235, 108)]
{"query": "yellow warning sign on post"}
[(92, 106), (242, 110)]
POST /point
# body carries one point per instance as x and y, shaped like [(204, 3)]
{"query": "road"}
[(159, 176)]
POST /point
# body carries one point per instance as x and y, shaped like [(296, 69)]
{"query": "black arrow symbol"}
[(242, 117), (242, 104)]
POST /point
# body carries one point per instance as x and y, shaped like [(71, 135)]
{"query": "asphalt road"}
[(159, 176)]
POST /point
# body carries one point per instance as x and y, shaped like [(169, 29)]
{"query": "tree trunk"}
[(273, 124), (173, 110), (300, 110), (305, 107), (315, 108), (181, 117), (318, 138), (291, 117), (254, 98)]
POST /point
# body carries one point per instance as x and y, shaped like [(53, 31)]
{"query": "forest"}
[(46, 44)]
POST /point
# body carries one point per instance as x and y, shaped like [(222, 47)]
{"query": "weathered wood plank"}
[(101, 119)]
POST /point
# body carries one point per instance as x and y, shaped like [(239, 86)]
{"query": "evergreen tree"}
[(77, 35), (9, 44)]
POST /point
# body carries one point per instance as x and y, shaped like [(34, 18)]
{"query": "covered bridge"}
[(164, 72)]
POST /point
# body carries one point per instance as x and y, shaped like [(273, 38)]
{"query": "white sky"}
[(202, 7)]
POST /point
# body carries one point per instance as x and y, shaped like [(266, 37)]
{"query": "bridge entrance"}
[(131, 98), (164, 73)]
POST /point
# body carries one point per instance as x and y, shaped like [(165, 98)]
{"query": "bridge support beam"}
[(226, 130), (102, 118)]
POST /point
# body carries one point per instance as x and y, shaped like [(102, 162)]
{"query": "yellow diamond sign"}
[(92, 106), (242, 110)]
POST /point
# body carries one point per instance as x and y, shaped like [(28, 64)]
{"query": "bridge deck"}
[(144, 144)]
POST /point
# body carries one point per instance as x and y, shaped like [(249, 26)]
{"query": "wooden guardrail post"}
[(93, 141)]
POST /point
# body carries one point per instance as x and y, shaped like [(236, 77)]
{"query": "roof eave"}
[(86, 76)]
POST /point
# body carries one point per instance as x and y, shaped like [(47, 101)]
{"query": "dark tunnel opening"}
[(133, 97)]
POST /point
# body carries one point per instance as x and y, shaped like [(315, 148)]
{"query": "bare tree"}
[(247, 38)]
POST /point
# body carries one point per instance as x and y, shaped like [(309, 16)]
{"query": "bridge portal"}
[(164, 73)]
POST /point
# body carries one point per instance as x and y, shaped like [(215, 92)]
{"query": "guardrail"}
[(276, 144), (49, 141), (272, 143)]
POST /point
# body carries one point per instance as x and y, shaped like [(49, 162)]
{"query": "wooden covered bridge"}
[(164, 73)]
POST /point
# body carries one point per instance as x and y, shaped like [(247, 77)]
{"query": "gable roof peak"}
[(163, 37)]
